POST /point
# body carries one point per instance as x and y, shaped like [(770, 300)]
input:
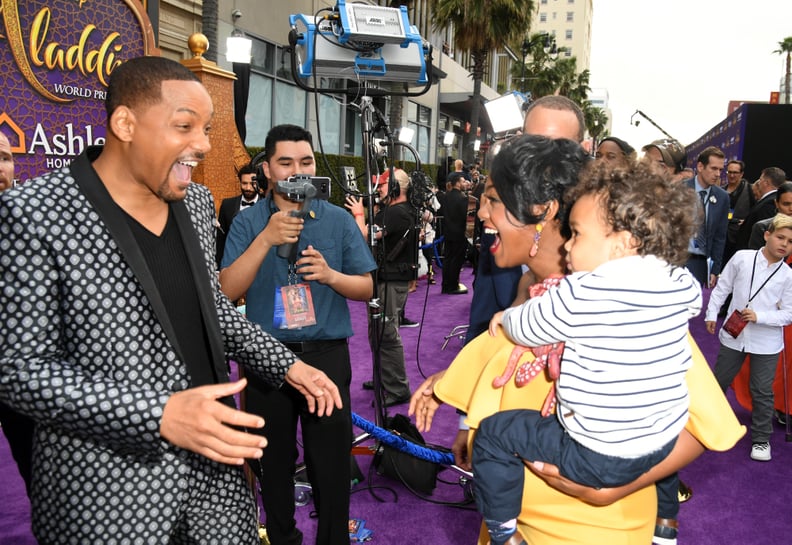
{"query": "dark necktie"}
[(703, 197), (243, 204)]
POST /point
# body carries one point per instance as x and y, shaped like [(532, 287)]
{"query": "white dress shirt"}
[(772, 304)]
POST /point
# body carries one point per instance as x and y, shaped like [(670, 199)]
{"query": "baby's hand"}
[(497, 319)]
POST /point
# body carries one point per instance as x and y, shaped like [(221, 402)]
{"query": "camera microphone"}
[(300, 189)]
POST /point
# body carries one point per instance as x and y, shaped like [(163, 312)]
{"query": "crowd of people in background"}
[(129, 398)]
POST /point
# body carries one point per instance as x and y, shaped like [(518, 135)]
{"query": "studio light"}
[(506, 112), (360, 42), (238, 47), (406, 135)]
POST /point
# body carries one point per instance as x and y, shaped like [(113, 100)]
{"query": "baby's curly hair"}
[(661, 216)]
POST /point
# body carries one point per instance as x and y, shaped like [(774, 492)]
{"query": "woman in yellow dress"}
[(555, 510)]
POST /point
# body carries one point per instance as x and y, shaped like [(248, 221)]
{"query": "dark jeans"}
[(507, 438)]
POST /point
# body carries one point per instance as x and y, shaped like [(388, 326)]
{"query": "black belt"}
[(696, 256), (313, 346)]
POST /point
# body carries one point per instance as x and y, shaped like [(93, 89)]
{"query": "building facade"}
[(275, 98), (570, 22)]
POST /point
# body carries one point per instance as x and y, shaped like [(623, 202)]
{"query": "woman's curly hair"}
[(661, 216)]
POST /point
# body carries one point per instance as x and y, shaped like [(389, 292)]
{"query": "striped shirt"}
[(622, 388)]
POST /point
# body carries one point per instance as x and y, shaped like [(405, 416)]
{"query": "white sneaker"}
[(761, 452)]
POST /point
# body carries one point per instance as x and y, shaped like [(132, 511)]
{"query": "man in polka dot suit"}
[(115, 335)]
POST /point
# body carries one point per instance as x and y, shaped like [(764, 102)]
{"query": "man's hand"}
[(312, 266), (424, 404), (282, 228), (354, 205), (320, 392), (713, 280), (194, 420)]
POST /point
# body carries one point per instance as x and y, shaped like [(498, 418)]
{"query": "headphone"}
[(258, 178), (394, 188)]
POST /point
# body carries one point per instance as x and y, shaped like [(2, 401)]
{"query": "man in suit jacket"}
[(783, 203), (230, 207), (454, 211), (116, 336), (767, 187), (711, 238)]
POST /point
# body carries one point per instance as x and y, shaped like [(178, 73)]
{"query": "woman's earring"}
[(537, 236)]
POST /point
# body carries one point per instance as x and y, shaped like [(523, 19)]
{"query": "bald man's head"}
[(555, 117)]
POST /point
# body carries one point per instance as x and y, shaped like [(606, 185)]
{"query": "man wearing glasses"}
[(741, 200)]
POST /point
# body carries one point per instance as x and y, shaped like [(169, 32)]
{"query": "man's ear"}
[(122, 123)]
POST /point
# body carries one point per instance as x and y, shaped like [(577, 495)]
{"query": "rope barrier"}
[(399, 443), (434, 245)]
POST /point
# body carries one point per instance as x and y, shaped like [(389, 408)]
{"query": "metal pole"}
[(788, 424)]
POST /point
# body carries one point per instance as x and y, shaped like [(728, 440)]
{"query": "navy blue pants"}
[(507, 438)]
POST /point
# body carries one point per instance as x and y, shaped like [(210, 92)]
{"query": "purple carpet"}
[(735, 500)]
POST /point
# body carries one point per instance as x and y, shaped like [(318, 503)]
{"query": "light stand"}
[(375, 307), (650, 120)]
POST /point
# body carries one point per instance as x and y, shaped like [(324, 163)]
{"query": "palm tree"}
[(596, 120), (480, 26), (572, 84), (785, 48), (209, 15)]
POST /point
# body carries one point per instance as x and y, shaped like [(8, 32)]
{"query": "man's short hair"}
[(285, 133), (562, 103), (138, 82), (737, 162), (706, 153), (454, 177), (246, 169), (775, 175)]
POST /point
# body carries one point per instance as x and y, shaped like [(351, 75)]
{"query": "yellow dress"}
[(548, 516)]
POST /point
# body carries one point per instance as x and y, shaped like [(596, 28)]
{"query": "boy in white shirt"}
[(761, 286)]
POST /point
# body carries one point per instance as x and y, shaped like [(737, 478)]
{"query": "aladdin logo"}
[(97, 62)]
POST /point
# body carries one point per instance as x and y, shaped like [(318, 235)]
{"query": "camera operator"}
[(398, 248), (301, 302)]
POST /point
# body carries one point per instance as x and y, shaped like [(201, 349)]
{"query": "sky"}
[(681, 61)]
